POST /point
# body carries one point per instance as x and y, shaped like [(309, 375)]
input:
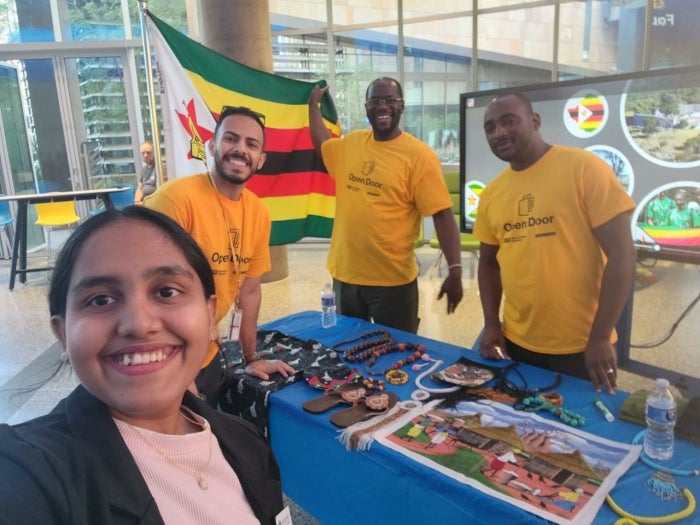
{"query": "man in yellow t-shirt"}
[(386, 181), (232, 226), (556, 243)]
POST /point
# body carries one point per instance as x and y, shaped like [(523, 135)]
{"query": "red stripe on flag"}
[(288, 139), (290, 184)]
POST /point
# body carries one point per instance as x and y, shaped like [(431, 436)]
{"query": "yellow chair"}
[(468, 243), (53, 215)]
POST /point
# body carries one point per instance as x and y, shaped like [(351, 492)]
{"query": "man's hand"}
[(492, 344), (262, 368), (601, 363), (317, 94), (452, 287)]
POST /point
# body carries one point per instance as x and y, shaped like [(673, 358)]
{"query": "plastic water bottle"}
[(661, 418), (328, 306)]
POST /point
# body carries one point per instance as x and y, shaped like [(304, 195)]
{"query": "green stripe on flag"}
[(287, 232), (225, 73)]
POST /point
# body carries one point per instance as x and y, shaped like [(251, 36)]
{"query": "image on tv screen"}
[(646, 126)]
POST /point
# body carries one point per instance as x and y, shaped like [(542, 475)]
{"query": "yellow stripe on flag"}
[(298, 207), (278, 116)]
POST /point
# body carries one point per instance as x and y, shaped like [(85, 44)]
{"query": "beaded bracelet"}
[(554, 398), (456, 265), (397, 377)]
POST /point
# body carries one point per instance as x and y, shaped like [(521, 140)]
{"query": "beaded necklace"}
[(362, 351), (417, 349), (533, 404), (375, 344)]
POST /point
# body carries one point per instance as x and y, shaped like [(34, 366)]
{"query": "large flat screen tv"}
[(645, 125)]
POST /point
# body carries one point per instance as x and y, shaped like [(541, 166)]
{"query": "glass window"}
[(172, 12), (423, 9), (9, 26), (350, 12), (294, 14), (448, 38), (17, 137), (34, 23), (490, 4), (377, 46), (588, 38), (105, 120), (413, 114), (303, 57), (517, 37), (89, 20)]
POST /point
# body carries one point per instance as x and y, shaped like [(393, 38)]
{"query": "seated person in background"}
[(556, 243), (132, 303), (147, 182)]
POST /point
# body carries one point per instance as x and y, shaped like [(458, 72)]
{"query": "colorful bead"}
[(397, 377), (417, 349), (375, 344), (533, 404)]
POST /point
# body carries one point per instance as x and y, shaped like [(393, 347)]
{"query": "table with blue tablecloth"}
[(379, 485)]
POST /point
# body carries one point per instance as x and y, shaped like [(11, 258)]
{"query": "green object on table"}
[(687, 419)]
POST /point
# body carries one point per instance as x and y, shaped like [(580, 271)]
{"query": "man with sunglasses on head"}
[(232, 226), (386, 181)]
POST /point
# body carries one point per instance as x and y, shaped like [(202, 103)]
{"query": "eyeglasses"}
[(241, 110), (389, 101)]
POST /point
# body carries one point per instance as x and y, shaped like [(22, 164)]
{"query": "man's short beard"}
[(385, 133), (228, 178)]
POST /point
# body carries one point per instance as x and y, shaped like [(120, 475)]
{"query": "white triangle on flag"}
[(179, 94), (583, 113)]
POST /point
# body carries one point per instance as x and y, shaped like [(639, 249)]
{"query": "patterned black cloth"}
[(247, 396)]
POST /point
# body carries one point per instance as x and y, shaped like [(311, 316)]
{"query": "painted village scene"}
[(541, 466)]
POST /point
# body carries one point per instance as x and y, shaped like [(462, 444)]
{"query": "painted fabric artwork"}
[(465, 372), (549, 469)]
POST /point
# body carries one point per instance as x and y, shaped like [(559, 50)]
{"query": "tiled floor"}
[(664, 291)]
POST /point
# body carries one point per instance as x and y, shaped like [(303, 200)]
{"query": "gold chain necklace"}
[(197, 473)]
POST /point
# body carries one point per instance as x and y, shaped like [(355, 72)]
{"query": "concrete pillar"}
[(240, 30)]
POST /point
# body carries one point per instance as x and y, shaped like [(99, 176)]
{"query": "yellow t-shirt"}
[(542, 218), (383, 190), (218, 224)]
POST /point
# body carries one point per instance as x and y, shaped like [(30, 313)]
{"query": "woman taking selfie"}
[(132, 304)]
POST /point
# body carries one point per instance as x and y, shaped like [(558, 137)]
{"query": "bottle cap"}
[(662, 382)]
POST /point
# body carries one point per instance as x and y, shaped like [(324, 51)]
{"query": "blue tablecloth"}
[(379, 485)]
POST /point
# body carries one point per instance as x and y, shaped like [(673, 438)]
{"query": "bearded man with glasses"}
[(386, 182)]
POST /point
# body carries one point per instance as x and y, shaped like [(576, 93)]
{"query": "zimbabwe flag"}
[(196, 82), (588, 113)]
